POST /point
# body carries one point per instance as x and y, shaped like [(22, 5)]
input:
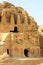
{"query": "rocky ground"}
[(21, 61)]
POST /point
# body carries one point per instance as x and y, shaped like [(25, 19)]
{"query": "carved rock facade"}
[(19, 36)]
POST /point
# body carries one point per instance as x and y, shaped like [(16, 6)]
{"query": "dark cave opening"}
[(26, 52)]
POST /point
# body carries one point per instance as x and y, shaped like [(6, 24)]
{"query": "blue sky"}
[(33, 7)]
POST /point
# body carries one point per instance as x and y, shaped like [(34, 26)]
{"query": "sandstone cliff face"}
[(20, 32), (40, 30)]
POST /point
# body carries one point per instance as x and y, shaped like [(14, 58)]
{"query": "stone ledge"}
[(26, 61)]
